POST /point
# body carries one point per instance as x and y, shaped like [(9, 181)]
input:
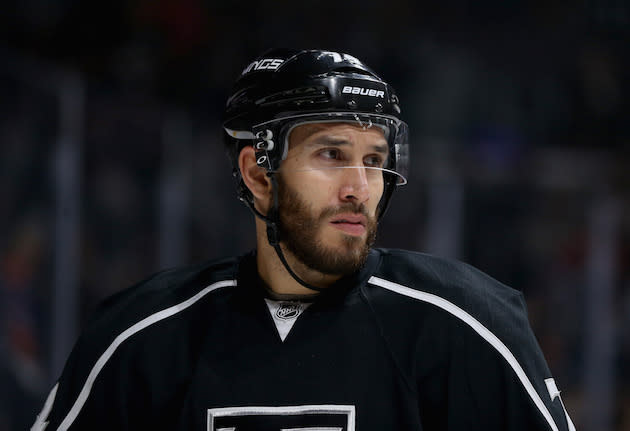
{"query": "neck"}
[(276, 276)]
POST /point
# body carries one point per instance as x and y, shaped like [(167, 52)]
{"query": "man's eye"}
[(331, 154), (374, 161)]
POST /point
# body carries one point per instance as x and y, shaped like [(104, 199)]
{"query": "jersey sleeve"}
[(133, 357), (476, 363), (103, 384), (98, 387), (88, 395), (496, 377)]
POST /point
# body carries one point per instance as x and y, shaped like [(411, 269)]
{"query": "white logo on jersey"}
[(552, 389), (363, 91), (554, 393), (41, 422), (264, 64), (289, 310)]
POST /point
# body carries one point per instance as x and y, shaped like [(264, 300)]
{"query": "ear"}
[(255, 178)]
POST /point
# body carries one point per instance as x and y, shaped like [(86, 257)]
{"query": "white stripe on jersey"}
[(484, 332), (148, 321)]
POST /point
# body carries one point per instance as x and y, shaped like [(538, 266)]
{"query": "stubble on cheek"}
[(301, 231)]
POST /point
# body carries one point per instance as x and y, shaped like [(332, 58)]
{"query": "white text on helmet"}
[(363, 91), (264, 64)]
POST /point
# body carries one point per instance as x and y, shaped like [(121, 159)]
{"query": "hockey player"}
[(314, 330)]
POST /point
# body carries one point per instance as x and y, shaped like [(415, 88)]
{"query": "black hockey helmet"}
[(286, 87)]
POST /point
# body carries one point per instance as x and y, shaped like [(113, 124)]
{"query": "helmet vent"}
[(352, 70), (296, 96), (238, 99)]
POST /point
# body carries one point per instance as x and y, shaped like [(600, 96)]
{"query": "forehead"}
[(343, 131)]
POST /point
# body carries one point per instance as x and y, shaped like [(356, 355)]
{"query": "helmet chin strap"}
[(272, 220)]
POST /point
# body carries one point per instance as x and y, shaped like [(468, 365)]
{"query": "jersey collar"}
[(248, 278)]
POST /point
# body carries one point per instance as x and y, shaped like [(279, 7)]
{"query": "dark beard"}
[(298, 232)]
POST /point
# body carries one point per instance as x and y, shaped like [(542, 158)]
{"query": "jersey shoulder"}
[(173, 287), (453, 282), (473, 328), (113, 362)]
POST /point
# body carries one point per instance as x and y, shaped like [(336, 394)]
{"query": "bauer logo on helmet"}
[(347, 89)]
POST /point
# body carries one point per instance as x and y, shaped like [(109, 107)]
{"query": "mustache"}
[(345, 208)]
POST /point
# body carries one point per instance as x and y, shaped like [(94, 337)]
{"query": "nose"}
[(354, 187)]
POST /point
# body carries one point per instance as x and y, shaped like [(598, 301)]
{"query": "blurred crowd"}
[(518, 116)]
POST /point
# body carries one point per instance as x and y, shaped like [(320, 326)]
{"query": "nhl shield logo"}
[(289, 310)]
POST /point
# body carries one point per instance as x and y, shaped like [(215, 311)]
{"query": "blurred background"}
[(112, 166)]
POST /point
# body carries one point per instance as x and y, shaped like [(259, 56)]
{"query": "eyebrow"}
[(325, 141)]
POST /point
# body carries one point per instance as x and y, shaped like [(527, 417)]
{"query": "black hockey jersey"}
[(410, 342)]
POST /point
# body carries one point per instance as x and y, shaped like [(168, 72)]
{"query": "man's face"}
[(328, 195)]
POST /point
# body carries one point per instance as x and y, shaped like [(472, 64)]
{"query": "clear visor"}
[(382, 152)]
